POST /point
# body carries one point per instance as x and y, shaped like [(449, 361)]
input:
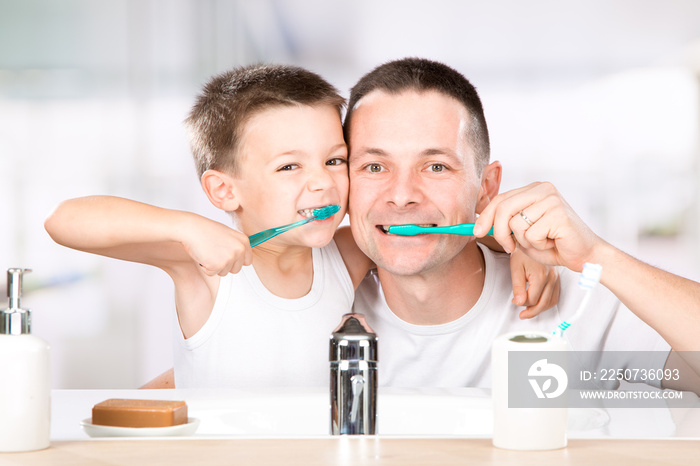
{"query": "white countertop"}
[(428, 413)]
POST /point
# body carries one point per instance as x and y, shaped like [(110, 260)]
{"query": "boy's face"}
[(292, 160)]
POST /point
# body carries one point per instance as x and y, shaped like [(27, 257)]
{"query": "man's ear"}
[(219, 189), (490, 184)]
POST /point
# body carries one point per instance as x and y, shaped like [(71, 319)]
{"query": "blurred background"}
[(600, 97)]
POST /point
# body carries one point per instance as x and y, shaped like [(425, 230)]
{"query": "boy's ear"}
[(218, 187), (490, 184)]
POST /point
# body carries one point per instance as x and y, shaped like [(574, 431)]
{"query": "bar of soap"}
[(139, 413)]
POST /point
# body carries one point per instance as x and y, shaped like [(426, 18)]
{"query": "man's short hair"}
[(420, 74), (228, 101)]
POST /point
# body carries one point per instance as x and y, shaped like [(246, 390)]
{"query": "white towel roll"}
[(528, 428)]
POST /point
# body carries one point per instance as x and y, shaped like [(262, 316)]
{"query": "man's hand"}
[(542, 225)]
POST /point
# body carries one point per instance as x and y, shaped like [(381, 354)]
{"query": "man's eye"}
[(437, 167), (374, 167)]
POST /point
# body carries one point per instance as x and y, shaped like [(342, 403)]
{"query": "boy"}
[(268, 146)]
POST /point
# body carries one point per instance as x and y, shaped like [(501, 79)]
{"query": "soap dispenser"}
[(25, 385)]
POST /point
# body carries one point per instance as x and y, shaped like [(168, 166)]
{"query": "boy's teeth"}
[(306, 212)]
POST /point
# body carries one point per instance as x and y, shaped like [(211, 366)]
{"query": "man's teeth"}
[(385, 228)]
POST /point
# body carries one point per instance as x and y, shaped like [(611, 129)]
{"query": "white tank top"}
[(458, 353), (254, 339)]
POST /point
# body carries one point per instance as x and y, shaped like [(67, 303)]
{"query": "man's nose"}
[(404, 189)]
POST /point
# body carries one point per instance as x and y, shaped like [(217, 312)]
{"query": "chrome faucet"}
[(353, 357)]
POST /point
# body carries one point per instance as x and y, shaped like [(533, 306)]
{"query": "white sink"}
[(296, 413), (465, 412)]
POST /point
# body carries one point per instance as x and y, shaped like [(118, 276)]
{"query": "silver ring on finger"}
[(527, 220)]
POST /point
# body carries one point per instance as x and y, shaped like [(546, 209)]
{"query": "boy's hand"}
[(535, 286), (218, 249)]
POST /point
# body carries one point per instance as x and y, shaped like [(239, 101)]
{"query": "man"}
[(419, 154)]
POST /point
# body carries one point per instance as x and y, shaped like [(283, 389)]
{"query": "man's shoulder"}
[(497, 264)]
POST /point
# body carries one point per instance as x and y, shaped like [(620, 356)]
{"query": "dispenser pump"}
[(14, 320), (25, 384)]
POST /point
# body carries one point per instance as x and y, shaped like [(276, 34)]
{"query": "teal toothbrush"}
[(321, 213), (465, 229), (589, 278)]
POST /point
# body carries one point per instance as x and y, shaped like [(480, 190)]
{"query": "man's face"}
[(410, 163)]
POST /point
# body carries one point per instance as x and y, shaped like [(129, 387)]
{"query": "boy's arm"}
[(355, 260), (164, 380), (190, 248), (115, 227), (138, 232), (535, 286)]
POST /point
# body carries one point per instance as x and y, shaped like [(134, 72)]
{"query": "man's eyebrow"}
[(447, 154), (374, 151), (437, 151), (370, 151), (423, 153), (366, 152)]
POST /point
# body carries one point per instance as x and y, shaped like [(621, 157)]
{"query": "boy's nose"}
[(320, 179)]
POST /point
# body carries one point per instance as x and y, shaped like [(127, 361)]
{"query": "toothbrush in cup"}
[(589, 278), (321, 213)]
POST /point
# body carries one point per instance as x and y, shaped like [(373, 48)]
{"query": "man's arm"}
[(668, 303), (686, 364), (549, 231)]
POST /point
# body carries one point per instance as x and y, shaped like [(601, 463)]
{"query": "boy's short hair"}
[(228, 101), (420, 74)]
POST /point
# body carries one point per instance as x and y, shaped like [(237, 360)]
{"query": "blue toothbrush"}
[(465, 229), (321, 213)]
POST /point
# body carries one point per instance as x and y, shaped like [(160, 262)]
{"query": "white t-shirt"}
[(458, 353), (255, 339)]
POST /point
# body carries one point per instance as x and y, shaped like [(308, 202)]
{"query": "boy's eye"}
[(288, 167), (336, 161)]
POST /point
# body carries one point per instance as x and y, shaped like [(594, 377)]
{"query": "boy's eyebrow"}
[(300, 152), (339, 146)]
